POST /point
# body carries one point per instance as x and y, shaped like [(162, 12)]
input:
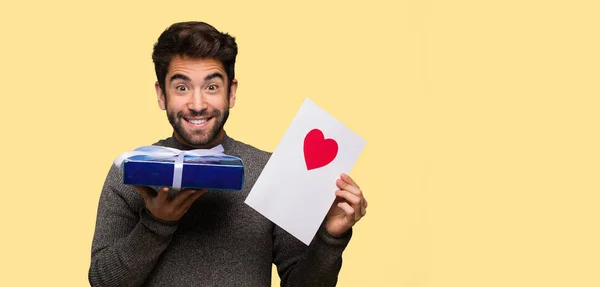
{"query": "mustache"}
[(202, 113)]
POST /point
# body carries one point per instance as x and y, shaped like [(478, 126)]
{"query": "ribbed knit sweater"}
[(220, 241)]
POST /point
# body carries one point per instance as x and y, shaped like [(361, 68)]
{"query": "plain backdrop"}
[(480, 117)]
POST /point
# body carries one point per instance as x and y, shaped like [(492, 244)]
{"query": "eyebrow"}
[(179, 76), (187, 79), (214, 75)]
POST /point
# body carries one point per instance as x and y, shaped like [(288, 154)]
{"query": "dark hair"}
[(195, 40)]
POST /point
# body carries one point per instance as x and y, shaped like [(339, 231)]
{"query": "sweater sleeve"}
[(315, 265), (128, 240)]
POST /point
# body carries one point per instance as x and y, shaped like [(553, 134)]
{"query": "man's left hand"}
[(348, 208)]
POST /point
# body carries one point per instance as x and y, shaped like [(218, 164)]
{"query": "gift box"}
[(201, 169)]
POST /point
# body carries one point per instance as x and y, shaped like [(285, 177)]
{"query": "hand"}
[(165, 208), (348, 208)]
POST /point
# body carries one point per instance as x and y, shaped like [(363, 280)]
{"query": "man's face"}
[(196, 100)]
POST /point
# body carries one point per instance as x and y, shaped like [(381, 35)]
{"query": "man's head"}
[(196, 83)]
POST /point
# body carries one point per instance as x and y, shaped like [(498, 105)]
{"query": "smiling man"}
[(200, 101), (146, 237)]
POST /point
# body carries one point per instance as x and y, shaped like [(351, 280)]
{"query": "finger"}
[(349, 197), (349, 180), (350, 212), (363, 210), (185, 205), (355, 201), (359, 212), (163, 195), (346, 186), (181, 196)]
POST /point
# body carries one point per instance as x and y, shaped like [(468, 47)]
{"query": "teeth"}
[(197, 122)]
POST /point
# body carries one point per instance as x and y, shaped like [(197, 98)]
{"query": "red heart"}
[(318, 151)]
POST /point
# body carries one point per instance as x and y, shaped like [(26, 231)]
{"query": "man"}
[(147, 237)]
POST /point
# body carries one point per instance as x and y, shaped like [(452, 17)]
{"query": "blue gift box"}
[(221, 172)]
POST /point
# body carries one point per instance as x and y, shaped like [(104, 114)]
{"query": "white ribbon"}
[(167, 152)]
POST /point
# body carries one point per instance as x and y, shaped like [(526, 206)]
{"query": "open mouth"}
[(198, 122)]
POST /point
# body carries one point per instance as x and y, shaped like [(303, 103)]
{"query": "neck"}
[(214, 142)]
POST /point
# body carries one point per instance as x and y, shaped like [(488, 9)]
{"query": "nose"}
[(197, 102)]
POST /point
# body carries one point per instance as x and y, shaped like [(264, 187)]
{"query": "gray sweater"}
[(220, 241)]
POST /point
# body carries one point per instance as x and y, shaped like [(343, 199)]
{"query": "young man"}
[(145, 237)]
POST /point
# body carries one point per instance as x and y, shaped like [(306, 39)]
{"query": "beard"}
[(198, 137)]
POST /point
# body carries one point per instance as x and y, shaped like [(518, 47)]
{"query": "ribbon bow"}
[(167, 152)]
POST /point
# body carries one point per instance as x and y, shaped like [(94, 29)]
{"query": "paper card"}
[(297, 186)]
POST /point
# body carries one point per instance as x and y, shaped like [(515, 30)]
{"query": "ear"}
[(232, 91), (161, 97)]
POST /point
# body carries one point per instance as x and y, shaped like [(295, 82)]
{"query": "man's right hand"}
[(165, 208)]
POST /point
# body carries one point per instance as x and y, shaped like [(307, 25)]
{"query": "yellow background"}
[(481, 121)]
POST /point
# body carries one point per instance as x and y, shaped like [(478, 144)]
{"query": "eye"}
[(181, 88), (212, 87)]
